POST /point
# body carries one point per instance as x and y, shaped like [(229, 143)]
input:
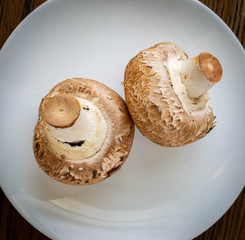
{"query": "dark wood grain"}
[(230, 227), (232, 12)]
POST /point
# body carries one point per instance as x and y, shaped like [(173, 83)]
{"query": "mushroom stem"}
[(84, 125), (61, 111), (200, 73)]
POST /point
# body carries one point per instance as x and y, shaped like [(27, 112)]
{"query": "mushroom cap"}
[(104, 162), (156, 109)]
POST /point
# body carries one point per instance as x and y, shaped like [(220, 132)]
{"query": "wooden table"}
[(230, 227)]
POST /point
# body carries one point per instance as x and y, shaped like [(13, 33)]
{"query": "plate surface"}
[(160, 193)]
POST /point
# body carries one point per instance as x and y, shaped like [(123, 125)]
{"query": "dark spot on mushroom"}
[(121, 159), (156, 108), (210, 129), (94, 173), (42, 154), (97, 150), (113, 170), (87, 181), (86, 108), (99, 174), (37, 147), (75, 144)]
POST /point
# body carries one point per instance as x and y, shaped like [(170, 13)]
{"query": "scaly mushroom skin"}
[(159, 100), (108, 127)]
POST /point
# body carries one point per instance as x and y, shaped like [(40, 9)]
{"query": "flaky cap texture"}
[(116, 147), (154, 106)]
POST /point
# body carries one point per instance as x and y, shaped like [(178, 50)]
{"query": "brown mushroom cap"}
[(115, 149), (154, 106)]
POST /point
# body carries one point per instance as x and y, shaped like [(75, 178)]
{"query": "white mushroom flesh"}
[(84, 138), (174, 65)]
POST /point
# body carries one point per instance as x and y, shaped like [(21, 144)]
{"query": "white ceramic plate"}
[(160, 193)]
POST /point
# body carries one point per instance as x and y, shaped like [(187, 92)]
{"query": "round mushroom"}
[(84, 132), (166, 94)]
